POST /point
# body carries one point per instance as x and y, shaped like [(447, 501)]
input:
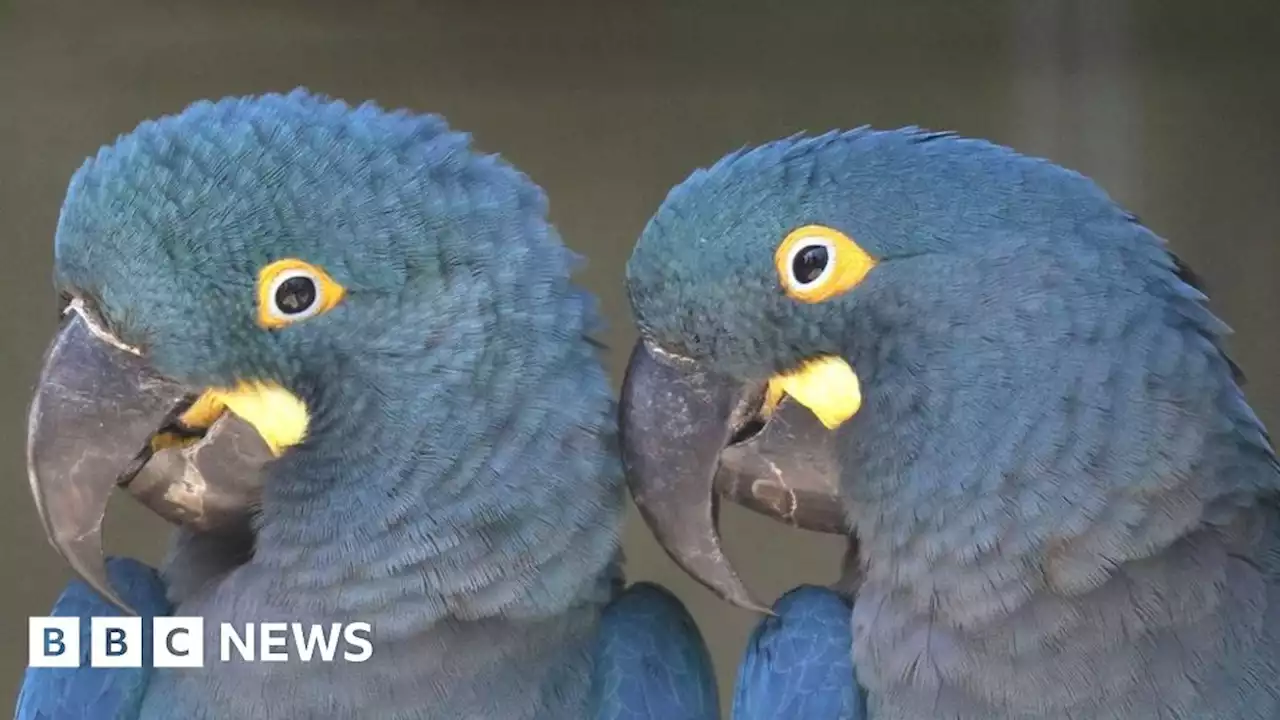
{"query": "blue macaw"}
[(341, 351), (1003, 389)]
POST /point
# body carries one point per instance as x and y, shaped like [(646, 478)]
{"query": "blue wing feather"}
[(86, 693), (652, 663), (799, 663)]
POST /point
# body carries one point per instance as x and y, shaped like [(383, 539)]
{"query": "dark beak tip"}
[(753, 606), (674, 421), (92, 414)]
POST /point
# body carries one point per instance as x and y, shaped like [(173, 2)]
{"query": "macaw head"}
[(347, 282), (839, 330)]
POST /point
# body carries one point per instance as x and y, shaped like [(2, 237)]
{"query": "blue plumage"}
[(1064, 505), (651, 663), (458, 485), (799, 663), (87, 693)]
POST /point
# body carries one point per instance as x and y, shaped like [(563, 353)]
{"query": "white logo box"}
[(115, 642)]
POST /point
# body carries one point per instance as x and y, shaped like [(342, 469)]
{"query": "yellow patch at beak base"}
[(827, 386), (277, 414)]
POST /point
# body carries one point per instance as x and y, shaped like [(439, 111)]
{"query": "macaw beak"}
[(95, 414), (690, 436)]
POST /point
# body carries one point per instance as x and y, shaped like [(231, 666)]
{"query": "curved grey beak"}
[(690, 437), (90, 429)]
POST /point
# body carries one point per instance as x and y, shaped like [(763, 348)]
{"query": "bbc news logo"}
[(178, 642)]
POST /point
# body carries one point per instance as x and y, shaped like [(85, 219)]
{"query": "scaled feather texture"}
[(799, 662)]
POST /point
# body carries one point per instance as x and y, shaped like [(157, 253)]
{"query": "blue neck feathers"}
[(466, 484)]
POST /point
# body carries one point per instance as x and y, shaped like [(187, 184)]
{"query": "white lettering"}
[(244, 644), (307, 645), (274, 641), (350, 634)]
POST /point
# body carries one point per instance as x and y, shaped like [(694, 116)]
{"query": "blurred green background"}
[(1173, 106)]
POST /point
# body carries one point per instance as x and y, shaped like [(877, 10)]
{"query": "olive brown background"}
[(1174, 107)]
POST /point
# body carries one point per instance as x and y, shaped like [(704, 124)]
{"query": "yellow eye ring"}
[(816, 263), (290, 290)]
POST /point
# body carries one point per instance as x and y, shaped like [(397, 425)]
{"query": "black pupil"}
[(295, 295), (809, 263)]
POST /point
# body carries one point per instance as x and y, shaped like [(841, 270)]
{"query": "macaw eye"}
[(816, 263), (292, 290), (296, 293), (809, 262)]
